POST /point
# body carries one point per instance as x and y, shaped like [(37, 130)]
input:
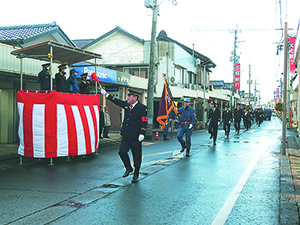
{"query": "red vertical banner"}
[(292, 51), (237, 76)]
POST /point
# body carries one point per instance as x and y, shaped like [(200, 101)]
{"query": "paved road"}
[(235, 182)]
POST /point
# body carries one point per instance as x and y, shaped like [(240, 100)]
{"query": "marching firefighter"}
[(187, 121), (226, 119), (214, 117)]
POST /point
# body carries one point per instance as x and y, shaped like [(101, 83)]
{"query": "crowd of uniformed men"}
[(62, 84)]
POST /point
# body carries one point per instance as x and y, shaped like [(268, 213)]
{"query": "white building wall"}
[(119, 49)]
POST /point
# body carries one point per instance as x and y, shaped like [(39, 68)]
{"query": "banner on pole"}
[(237, 77)]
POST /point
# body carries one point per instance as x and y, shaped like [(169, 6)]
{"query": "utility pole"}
[(249, 85), (255, 93), (152, 71), (283, 149), (233, 79)]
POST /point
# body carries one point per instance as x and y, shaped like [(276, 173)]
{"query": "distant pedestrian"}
[(45, 77), (133, 130), (247, 119), (227, 119), (237, 115), (214, 117), (187, 120), (84, 86), (101, 121), (107, 122), (72, 82), (60, 79), (260, 116)]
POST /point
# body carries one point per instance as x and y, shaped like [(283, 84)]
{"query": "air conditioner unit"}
[(172, 80)]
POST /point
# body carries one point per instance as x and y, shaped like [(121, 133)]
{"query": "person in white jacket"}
[(107, 122)]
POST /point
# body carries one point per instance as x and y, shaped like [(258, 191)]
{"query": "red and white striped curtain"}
[(57, 124)]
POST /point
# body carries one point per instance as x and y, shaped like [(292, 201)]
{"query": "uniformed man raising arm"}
[(133, 130)]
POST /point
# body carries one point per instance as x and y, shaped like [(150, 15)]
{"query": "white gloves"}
[(218, 123), (141, 137), (190, 126), (229, 121), (103, 92)]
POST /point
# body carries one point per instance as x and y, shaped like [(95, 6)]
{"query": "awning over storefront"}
[(54, 52), (61, 53)]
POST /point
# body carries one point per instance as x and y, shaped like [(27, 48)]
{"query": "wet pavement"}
[(106, 198)]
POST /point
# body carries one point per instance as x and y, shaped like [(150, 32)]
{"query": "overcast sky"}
[(209, 25)]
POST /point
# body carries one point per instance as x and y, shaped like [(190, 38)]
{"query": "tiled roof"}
[(21, 35), (82, 42), (23, 32)]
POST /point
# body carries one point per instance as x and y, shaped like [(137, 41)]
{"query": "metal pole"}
[(204, 90), (233, 79), (21, 72), (96, 75), (51, 57), (249, 85), (283, 149), (152, 72)]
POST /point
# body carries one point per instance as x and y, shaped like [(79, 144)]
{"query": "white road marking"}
[(227, 207)]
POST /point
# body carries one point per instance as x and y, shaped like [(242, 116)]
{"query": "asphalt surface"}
[(243, 180)]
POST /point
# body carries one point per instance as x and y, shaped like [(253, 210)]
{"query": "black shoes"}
[(187, 152), (165, 138), (211, 136), (127, 172), (135, 177), (183, 146)]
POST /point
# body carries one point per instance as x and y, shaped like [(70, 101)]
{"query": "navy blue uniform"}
[(134, 124), (188, 116)]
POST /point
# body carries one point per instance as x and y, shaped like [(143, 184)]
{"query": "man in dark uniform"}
[(84, 86), (260, 116), (214, 118), (187, 120), (227, 119), (45, 76), (238, 115), (60, 79), (247, 119), (133, 130)]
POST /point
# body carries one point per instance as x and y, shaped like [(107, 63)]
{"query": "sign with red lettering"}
[(237, 77), (292, 51)]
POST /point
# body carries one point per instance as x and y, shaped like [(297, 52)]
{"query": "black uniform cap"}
[(46, 65), (133, 92), (238, 104), (62, 66), (84, 75)]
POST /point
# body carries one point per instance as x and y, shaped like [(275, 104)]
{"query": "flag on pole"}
[(166, 105), (94, 77)]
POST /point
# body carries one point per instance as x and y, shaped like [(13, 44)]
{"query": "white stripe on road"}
[(227, 207)]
